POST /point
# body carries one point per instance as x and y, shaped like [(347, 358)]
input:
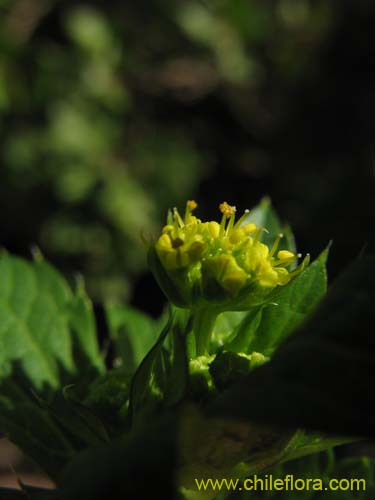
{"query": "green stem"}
[(203, 324)]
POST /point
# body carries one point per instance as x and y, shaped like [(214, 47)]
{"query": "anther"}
[(191, 205), (227, 209)]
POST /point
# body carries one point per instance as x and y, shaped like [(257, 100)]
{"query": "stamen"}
[(276, 244), (222, 226), (170, 219), (227, 209), (230, 224), (302, 266), (242, 218), (191, 205), (177, 217), (260, 230)]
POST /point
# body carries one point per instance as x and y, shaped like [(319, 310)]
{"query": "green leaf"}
[(84, 334), (225, 324), (146, 389), (34, 334), (76, 420), (134, 333), (308, 443), (37, 309), (263, 215), (245, 331), (321, 377), (33, 429), (107, 397), (47, 339), (265, 327), (163, 374)]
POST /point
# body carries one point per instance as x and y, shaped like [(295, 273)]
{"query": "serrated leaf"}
[(33, 327), (47, 339), (31, 428), (37, 309)]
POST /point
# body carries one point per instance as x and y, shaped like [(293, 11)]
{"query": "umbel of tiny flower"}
[(218, 264)]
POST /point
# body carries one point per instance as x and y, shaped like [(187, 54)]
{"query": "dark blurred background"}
[(111, 112)]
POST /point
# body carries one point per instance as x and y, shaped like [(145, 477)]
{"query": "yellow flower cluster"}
[(226, 256)]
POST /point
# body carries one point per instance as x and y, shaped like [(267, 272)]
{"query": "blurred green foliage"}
[(74, 146)]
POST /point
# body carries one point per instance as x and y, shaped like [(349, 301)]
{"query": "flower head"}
[(221, 263)]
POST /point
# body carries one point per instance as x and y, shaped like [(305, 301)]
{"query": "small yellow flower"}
[(223, 263)]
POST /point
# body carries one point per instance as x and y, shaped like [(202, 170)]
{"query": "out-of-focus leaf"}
[(37, 309), (263, 215), (307, 443), (265, 327), (82, 323), (107, 397), (140, 465), (33, 429), (90, 30), (34, 333), (321, 377), (47, 339), (74, 419), (133, 332)]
